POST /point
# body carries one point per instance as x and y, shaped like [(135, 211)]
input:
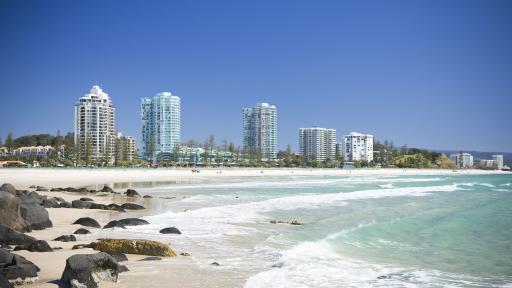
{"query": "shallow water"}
[(378, 231)]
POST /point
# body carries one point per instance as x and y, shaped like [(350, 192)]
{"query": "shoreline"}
[(52, 263), (22, 178)]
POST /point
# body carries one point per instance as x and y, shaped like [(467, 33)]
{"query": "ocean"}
[(359, 231)]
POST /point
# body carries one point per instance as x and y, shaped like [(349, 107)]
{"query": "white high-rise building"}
[(260, 130), (358, 147), (462, 160), (499, 161), (95, 121), (317, 143), (161, 125)]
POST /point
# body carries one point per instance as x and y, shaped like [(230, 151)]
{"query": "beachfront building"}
[(260, 130), (358, 147), (317, 143), (161, 125), (95, 125), (126, 150), (486, 163), (498, 159), (462, 160)]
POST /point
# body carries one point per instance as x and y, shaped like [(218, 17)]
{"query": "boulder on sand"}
[(125, 222), (87, 221), (65, 238), (141, 247), (84, 270), (10, 213), (36, 246), (9, 236), (51, 203), (8, 188), (170, 230), (33, 212), (85, 199), (82, 231), (16, 269)]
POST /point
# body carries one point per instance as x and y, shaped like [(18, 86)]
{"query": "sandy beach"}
[(52, 263)]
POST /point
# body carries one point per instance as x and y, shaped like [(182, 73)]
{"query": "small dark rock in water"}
[(83, 270), (65, 238), (82, 231), (119, 257), (147, 196), (36, 246), (107, 189), (293, 222), (132, 206), (215, 264), (125, 222), (32, 186), (87, 221), (151, 258), (15, 267), (131, 193), (85, 199), (57, 248), (170, 230), (184, 254), (42, 189)]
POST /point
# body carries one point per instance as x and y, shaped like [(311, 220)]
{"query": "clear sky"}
[(432, 74)]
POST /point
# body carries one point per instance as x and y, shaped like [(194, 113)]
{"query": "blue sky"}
[(432, 74)]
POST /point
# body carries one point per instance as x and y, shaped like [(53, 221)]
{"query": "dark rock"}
[(51, 203), (83, 270), (170, 230), (119, 257), (8, 188), (125, 222), (4, 283), (36, 246), (82, 190), (79, 204), (32, 186), (42, 189), (65, 204), (131, 193), (115, 207), (85, 199), (123, 269), (10, 213), (16, 268), (10, 237), (82, 246), (107, 189), (82, 231), (59, 199), (184, 254), (65, 238), (93, 191), (56, 248), (87, 221), (57, 190), (33, 212), (98, 206), (151, 258), (215, 264), (147, 196), (132, 206)]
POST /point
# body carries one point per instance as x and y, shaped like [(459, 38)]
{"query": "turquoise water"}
[(367, 231)]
